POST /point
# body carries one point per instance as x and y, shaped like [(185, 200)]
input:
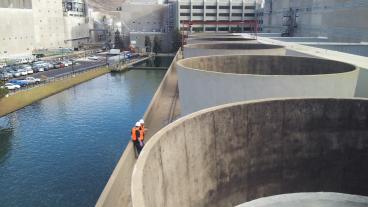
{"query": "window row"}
[(220, 14)]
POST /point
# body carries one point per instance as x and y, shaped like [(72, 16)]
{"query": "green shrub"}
[(3, 91)]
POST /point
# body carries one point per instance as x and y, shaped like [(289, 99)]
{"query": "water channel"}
[(61, 151)]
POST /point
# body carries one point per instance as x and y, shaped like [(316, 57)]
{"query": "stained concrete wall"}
[(235, 153), (214, 80), (319, 199), (207, 49), (220, 39)]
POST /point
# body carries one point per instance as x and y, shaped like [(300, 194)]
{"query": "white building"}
[(29, 25), (219, 15)]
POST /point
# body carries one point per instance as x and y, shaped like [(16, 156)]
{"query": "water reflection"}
[(62, 150), (7, 125)]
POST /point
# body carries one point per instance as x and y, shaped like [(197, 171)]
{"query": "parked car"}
[(55, 64), (66, 64), (69, 62), (5, 75), (22, 71), (61, 64), (29, 71), (11, 86), (32, 80), (38, 68), (19, 82), (15, 73), (93, 58)]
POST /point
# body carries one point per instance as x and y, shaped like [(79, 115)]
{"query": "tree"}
[(119, 43), (156, 44), (177, 40), (147, 43)]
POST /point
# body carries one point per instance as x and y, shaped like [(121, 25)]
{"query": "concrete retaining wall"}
[(117, 190), (235, 153), (214, 80), (207, 49)]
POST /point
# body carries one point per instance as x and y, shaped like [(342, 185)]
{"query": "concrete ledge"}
[(320, 199), (207, 49), (214, 80), (25, 98), (117, 190), (231, 154)]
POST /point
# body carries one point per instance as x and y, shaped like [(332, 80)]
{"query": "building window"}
[(210, 28), (197, 14), (184, 7), (250, 7), (211, 7), (236, 14), (224, 7), (210, 14), (224, 14), (249, 15), (237, 7), (197, 7), (184, 14)]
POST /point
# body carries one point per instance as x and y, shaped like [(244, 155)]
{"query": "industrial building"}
[(216, 15), (343, 21), (140, 19), (32, 25)]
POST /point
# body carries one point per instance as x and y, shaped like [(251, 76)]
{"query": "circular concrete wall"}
[(320, 199), (217, 34), (218, 39), (206, 49), (214, 80), (231, 154)]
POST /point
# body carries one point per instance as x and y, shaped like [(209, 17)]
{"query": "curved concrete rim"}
[(288, 200), (181, 63), (232, 46), (223, 39), (137, 175)]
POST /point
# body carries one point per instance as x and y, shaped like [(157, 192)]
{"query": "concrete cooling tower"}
[(207, 49), (214, 80), (235, 153)]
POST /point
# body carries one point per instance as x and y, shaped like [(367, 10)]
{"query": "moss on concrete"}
[(27, 97)]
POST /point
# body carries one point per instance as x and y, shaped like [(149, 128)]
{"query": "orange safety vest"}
[(141, 130), (136, 133)]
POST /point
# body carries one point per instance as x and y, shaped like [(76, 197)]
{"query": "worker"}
[(137, 137), (142, 128)]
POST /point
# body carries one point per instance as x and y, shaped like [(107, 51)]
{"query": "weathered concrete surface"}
[(237, 39), (231, 154), (163, 109), (321, 199), (214, 80), (360, 61), (207, 49)]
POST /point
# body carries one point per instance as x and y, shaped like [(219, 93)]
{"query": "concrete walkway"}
[(163, 109)]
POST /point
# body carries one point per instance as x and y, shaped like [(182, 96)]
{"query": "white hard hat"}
[(141, 121), (137, 124)]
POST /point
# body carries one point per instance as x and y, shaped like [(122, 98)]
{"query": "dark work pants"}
[(137, 146)]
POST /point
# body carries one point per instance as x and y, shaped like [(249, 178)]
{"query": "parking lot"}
[(51, 69)]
